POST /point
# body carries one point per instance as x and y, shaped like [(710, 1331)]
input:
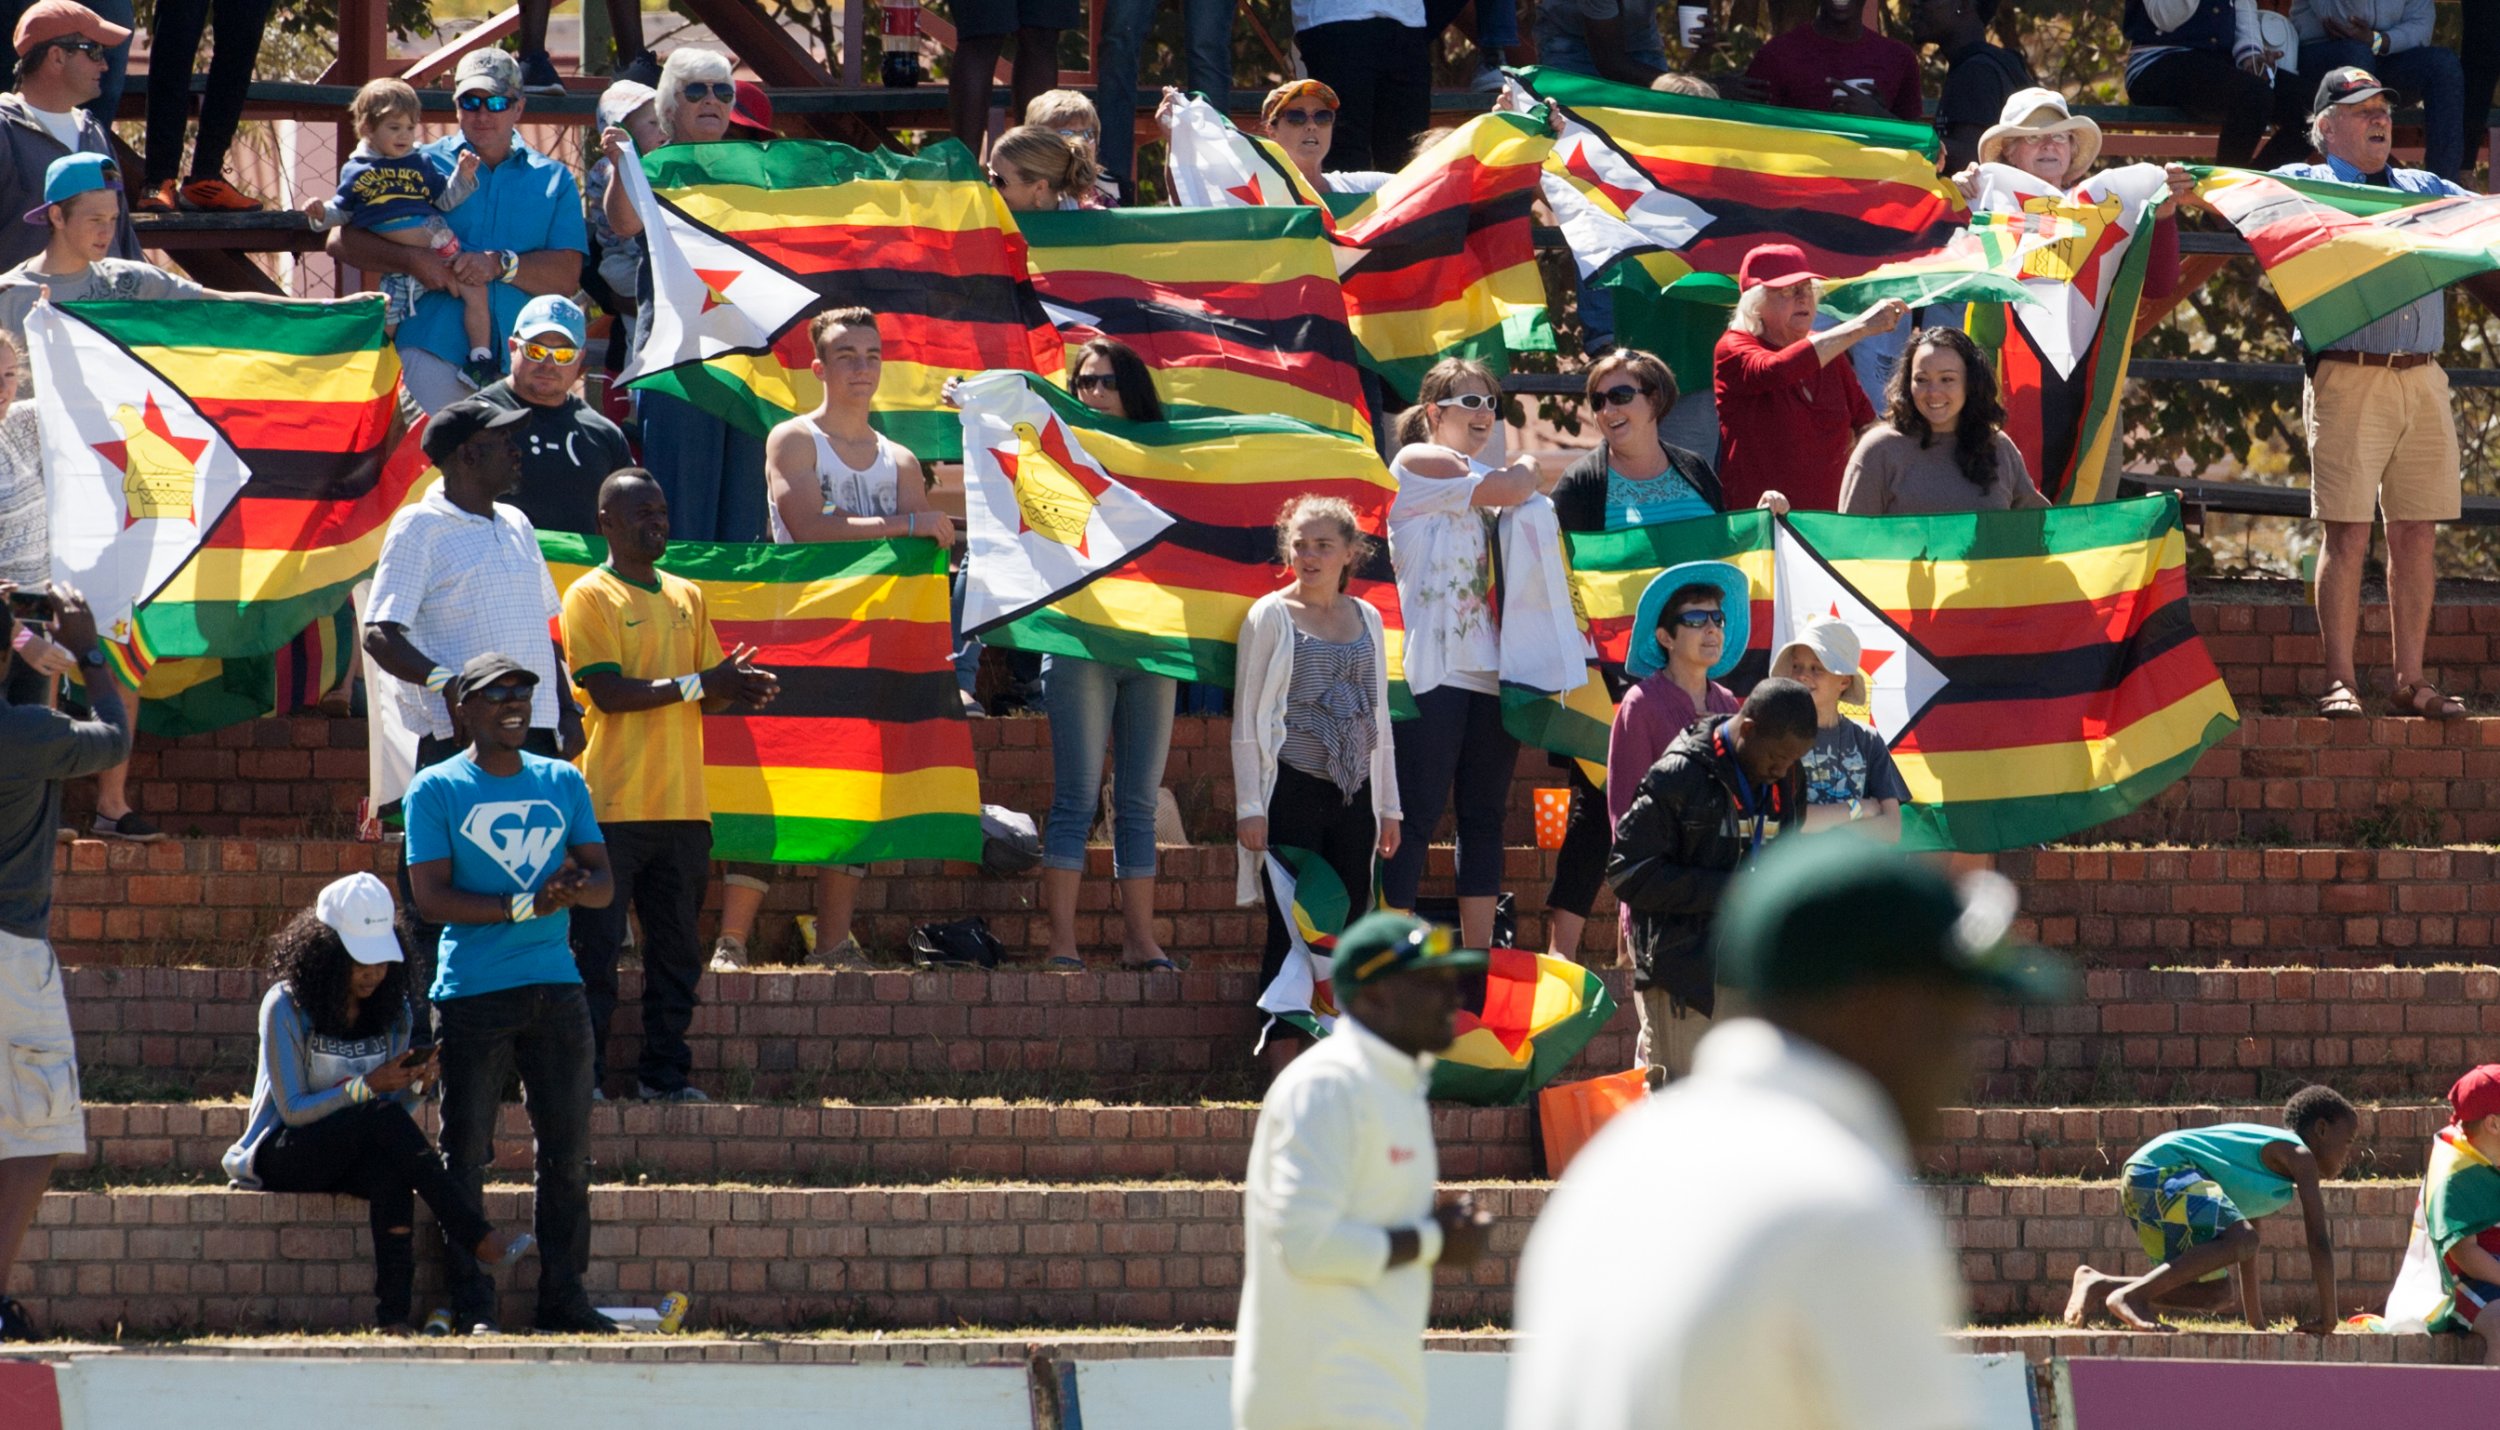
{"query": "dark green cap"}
[(1379, 945), (1820, 913)]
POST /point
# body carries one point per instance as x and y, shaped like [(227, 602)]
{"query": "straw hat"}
[(2033, 112)]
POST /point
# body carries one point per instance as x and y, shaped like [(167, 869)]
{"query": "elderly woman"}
[(1789, 410), (2038, 135), (1301, 116), (712, 472)]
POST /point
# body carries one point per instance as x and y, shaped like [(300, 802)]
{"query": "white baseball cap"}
[(358, 909)]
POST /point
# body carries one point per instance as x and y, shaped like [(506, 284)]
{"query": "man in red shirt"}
[(1789, 409), (1836, 63)]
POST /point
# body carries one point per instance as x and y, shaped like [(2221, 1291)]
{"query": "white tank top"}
[(874, 490)]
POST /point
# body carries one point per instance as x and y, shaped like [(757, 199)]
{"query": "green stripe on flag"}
[(798, 839), (761, 563), (1583, 91), (1104, 228), (930, 436), (1643, 548), (319, 330), (1984, 825), (184, 629), (1990, 536), (804, 164)]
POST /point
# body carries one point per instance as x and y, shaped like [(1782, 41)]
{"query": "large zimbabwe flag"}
[(748, 241), (1236, 309), (865, 756), (1046, 476), (194, 697), (2342, 256)]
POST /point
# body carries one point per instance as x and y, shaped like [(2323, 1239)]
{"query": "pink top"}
[(1647, 720)]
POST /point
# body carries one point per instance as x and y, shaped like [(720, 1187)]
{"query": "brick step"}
[(2136, 1037), (850, 1145), (2264, 637), (1154, 1256), (2308, 780)]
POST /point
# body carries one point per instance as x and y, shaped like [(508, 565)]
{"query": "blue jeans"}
[(542, 1032), (1092, 701), (2429, 74), (1570, 53), (1207, 27), (711, 472)]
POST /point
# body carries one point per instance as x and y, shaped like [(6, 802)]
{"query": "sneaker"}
[(438, 1324), (482, 372), (973, 708), (643, 68), (538, 76), (598, 1094), (729, 955), (846, 954), (161, 198), (485, 1326), (15, 1324), (134, 827), (580, 1320), (216, 196), (688, 1093)]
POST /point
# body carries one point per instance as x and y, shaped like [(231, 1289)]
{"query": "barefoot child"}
[(2193, 1195), (387, 188), (2451, 1271)]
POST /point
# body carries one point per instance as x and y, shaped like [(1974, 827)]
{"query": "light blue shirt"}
[(527, 203), (2420, 326), (2406, 23), (504, 835)]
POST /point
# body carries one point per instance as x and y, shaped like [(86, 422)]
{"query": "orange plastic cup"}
[(1553, 816)]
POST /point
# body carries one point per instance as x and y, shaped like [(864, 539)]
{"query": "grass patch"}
[(108, 1083)]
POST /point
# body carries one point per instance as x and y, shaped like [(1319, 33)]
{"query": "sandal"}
[(1152, 965), (2439, 706), (1065, 963), (2338, 702)]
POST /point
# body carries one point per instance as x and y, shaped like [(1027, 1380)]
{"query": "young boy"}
[(1850, 779), (2193, 1195), (388, 188), (2451, 1268)]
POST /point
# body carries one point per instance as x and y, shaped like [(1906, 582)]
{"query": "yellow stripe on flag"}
[(245, 374), (842, 794), (858, 203), (2067, 767)]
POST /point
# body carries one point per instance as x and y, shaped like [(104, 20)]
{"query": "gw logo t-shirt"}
[(503, 836)]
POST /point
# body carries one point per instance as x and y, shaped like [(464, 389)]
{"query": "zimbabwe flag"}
[(1610, 569), (865, 756), (2460, 1200), (1534, 1015), (1144, 543), (1236, 309), (749, 241), (2342, 256), (195, 697), (222, 470)]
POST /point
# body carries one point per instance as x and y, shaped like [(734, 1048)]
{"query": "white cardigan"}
[(1262, 677)]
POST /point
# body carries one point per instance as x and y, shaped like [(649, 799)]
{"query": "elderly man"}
[(521, 232), (2381, 427), (1820, 1296), (1343, 1232), (567, 449), (62, 62), (2393, 38)]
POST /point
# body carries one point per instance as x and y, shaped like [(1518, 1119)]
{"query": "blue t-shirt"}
[(379, 193), (527, 203), (504, 835)]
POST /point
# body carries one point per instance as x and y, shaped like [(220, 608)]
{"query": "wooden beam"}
[(486, 34)]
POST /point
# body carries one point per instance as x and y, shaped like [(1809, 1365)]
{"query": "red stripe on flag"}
[(830, 742), (1951, 632), (836, 643), (307, 524), (283, 425), (836, 248), (2008, 726)]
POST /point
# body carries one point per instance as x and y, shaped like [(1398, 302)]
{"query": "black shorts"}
[(1005, 17)]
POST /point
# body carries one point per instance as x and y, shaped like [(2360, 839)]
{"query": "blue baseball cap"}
[(550, 313), (72, 175)]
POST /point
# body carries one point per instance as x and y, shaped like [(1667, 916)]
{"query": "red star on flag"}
[(1870, 659), (118, 453), (1250, 193), (716, 283), (1580, 168)]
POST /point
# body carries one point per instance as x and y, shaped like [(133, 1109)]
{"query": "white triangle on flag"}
[(134, 472), (1900, 680), (1042, 517), (1608, 206), (2070, 266), (1216, 166), (708, 295)]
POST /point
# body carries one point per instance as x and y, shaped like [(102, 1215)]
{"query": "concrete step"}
[(2136, 1036), (1163, 1255)]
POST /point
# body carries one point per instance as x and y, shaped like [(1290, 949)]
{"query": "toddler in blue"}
[(389, 189)]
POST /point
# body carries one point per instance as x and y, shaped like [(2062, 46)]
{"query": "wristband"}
[(524, 907), (911, 523), (511, 264), (358, 1090), (690, 688), (1428, 1242), (436, 679), (25, 637)]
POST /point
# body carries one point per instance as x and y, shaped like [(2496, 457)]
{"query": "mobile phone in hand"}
[(414, 1058)]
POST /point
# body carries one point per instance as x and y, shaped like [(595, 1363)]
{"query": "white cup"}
[(1688, 21)]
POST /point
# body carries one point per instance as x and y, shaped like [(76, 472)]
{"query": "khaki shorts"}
[(1667, 1037), (40, 1114), (2381, 441)]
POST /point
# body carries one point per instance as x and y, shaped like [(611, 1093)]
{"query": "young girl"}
[(331, 1103), (1313, 767), (1850, 779), (1441, 544)]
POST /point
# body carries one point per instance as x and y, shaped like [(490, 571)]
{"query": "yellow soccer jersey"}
[(648, 764)]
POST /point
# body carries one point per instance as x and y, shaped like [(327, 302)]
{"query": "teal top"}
[(2233, 1155)]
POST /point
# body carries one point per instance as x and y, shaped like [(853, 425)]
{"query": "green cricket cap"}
[(1378, 946)]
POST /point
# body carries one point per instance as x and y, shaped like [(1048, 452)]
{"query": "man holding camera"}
[(39, 748)]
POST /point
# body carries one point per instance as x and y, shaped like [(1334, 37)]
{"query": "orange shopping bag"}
[(1570, 1113)]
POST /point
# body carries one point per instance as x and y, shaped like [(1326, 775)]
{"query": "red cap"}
[(2476, 1095), (754, 108), (49, 20), (1774, 265)]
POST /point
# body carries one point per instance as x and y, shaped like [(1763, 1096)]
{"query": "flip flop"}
[(1064, 963), (1152, 965)]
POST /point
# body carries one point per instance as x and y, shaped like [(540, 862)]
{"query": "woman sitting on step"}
[(337, 1084)]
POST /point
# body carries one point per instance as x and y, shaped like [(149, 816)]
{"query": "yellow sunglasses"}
[(540, 352)]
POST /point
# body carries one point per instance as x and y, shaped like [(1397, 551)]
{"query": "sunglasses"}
[(501, 694), (1097, 382), (89, 48), (1324, 118), (1470, 401), (1623, 395), (698, 92), (1001, 181), (540, 352), (1701, 620), (1081, 136), (491, 103)]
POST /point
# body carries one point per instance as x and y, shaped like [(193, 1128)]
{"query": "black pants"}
[(2478, 49), (1382, 73), (425, 940), (2210, 87), (174, 44), (1458, 751), (377, 1152), (661, 866), (1307, 812), (1580, 866), (542, 1032)]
